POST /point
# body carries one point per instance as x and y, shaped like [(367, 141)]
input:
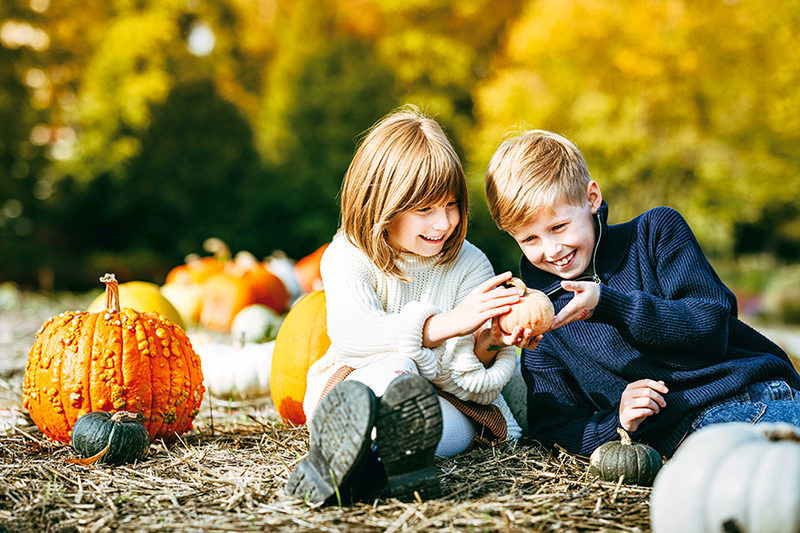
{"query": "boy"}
[(646, 336)]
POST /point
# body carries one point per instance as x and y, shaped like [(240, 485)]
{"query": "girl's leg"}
[(378, 376), (457, 430)]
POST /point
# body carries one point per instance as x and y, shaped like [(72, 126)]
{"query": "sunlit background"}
[(133, 130)]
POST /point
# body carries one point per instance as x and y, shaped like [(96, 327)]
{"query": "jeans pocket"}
[(738, 408)]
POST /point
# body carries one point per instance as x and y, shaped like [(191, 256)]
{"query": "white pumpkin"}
[(256, 323), (236, 372), (731, 477), (515, 393)]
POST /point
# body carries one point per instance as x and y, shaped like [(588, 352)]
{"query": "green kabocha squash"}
[(638, 463), (734, 477), (110, 438)]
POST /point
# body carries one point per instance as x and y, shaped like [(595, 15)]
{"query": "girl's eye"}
[(423, 209), (559, 226)]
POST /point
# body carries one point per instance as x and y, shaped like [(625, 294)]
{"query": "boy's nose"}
[(554, 250)]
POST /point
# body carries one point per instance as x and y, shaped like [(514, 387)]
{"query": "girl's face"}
[(424, 231), (562, 240)]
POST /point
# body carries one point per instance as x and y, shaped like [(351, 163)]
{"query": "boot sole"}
[(409, 428), (340, 440)]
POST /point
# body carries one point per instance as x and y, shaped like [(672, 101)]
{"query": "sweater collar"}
[(410, 263), (606, 259)]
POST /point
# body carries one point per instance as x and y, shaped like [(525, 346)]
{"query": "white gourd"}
[(256, 323), (236, 372), (731, 477)]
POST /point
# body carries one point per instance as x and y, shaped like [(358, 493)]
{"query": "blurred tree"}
[(339, 93), (690, 104), (24, 186), (185, 185)]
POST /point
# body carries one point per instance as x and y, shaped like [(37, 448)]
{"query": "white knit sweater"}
[(372, 315)]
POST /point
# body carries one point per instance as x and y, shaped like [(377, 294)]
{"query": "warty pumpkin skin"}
[(639, 463), (301, 341), (733, 477), (123, 433), (534, 311), (112, 360)]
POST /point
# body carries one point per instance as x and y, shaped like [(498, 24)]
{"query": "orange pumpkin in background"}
[(244, 282), (301, 341), (198, 269), (113, 360), (306, 270)]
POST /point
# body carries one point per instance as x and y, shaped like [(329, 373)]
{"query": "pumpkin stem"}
[(119, 416), (626, 439), (112, 293)]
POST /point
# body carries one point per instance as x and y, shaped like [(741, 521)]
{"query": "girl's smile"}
[(424, 231)]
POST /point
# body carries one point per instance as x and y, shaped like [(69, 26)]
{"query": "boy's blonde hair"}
[(405, 162), (529, 173)]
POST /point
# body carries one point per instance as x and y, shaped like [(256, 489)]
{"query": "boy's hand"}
[(489, 340), (641, 399), (484, 303), (583, 304)]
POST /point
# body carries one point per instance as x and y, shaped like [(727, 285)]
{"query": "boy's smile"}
[(424, 231), (561, 241)]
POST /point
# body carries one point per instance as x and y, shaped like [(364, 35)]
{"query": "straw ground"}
[(228, 474)]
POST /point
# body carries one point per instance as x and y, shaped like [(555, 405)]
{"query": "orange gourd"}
[(301, 341), (113, 360), (306, 270), (534, 311), (244, 282)]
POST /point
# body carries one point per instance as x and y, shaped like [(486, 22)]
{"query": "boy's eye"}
[(559, 226), (423, 209)]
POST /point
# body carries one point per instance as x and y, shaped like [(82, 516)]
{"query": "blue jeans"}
[(768, 401)]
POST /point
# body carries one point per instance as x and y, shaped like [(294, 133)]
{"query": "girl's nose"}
[(441, 220)]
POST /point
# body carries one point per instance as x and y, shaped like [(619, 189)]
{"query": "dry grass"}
[(228, 474), (231, 478)]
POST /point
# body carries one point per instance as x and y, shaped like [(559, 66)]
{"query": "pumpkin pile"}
[(212, 291), (117, 359)]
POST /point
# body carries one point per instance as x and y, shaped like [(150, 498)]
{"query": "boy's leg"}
[(409, 428), (767, 401), (340, 445)]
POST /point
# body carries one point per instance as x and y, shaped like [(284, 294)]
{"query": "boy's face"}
[(561, 241)]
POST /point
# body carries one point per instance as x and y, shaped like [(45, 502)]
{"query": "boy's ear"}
[(594, 196)]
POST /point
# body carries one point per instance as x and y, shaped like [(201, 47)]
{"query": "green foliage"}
[(122, 145), (678, 103)]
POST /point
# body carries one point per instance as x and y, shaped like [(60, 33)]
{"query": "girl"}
[(407, 296)]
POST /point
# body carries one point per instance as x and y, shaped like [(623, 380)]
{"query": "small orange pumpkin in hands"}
[(534, 311)]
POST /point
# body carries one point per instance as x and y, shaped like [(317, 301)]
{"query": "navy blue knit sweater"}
[(663, 314)]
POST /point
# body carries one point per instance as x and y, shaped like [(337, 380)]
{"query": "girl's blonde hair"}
[(404, 162), (529, 173)]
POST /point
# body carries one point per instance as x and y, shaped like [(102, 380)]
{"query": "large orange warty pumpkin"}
[(112, 360), (302, 339)]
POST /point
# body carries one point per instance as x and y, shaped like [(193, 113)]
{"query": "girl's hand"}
[(641, 399), (481, 305), (583, 304)]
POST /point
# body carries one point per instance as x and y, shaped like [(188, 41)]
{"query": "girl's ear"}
[(594, 196)]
